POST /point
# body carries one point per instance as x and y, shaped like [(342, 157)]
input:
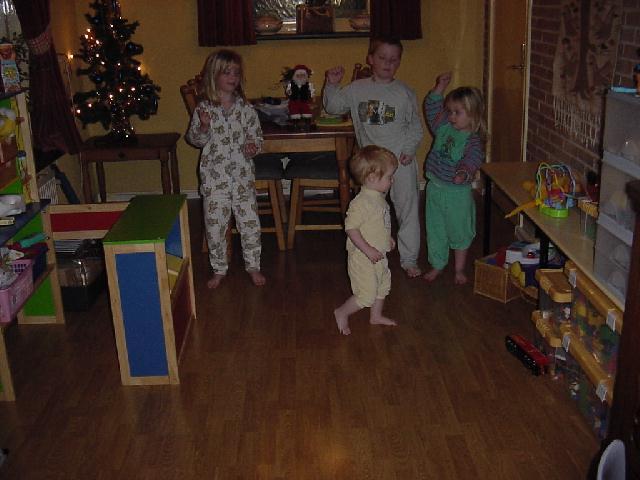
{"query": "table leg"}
[(342, 156), (175, 172), (544, 248), (486, 241), (102, 184), (164, 174), (86, 180)]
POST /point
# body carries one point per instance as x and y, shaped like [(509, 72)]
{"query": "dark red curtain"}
[(225, 22), (52, 121), (397, 19)]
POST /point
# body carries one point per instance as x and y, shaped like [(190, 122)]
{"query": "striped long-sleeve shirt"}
[(452, 150)]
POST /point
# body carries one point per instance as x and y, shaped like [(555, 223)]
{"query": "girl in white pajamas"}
[(226, 127)]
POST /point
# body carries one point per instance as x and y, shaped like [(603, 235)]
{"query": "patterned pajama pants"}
[(223, 195)]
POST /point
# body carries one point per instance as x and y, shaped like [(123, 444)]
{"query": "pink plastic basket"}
[(12, 298)]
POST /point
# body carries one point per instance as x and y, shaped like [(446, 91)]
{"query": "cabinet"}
[(625, 412), (149, 270), (620, 165), (18, 176)]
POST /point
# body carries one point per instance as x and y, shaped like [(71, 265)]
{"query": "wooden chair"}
[(311, 171), (361, 71), (268, 170)]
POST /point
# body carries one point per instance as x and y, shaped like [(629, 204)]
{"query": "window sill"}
[(261, 37)]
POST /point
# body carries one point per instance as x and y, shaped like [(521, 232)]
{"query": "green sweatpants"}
[(451, 221)]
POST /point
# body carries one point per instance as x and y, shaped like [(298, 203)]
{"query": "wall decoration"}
[(583, 66)]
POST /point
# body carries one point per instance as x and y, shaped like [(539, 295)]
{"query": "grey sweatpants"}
[(404, 196)]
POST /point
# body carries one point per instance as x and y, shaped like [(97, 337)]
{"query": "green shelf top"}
[(147, 219)]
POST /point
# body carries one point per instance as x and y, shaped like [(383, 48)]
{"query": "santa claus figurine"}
[(300, 92)]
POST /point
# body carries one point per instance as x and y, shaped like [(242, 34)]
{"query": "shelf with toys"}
[(567, 234), (578, 328), (30, 300)]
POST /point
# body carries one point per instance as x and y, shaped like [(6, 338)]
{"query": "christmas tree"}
[(120, 89)]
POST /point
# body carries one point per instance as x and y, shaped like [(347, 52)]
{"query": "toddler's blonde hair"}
[(472, 101), (213, 68), (371, 159)]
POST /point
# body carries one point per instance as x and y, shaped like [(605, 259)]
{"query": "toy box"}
[(570, 363), (492, 280), (548, 340), (595, 321), (554, 297), (581, 389)]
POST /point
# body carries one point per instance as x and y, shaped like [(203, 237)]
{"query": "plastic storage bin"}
[(13, 297), (614, 203), (612, 257), (595, 322), (554, 297), (622, 128)]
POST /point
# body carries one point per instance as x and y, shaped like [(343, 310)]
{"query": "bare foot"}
[(214, 282), (460, 278), (257, 278), (343, 323), (413, 272), (432, 274), (382, 321)]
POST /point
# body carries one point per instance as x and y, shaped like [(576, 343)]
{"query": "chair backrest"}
[(192, 93), (612, 462), (361, 71)]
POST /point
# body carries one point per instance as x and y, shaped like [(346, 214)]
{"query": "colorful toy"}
[(554, 192), (529, 355)]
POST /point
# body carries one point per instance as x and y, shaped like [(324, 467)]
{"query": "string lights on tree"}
[(120, 89)]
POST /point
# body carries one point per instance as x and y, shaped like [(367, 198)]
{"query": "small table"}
[(151, 146)]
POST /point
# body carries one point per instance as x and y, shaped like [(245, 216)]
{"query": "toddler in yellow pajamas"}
[(368, 228)]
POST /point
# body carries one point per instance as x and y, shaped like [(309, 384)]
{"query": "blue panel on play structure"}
[(140, 302), (173, 244)]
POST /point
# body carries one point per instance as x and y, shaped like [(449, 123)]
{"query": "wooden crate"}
[(493, 281)]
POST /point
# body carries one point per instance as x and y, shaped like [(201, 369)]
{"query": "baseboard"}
[(126, 196)]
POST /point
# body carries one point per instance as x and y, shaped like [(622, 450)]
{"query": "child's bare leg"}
[(343, 312), (376, 317), (460, 261), (432, 274), (215, 280), (257, 278)]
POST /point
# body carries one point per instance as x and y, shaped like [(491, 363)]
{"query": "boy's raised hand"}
[(334, 75), (442, 82)]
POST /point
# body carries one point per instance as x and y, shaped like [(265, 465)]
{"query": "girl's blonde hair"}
[(215, 65), (472, 101), (371, 159)]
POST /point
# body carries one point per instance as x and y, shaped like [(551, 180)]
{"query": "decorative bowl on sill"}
[(268, 23), (360, 22)]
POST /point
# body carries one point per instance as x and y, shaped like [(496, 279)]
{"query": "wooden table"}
[(337, 139), (152, 146), (565, 233)]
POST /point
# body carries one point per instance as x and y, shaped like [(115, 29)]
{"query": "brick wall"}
[(545, 142)]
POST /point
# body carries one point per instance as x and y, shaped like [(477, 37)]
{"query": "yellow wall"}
[(452, 31)]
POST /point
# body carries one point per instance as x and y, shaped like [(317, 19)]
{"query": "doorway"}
[(508, 79)]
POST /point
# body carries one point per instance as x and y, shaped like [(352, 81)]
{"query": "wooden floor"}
[(270, 390)]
